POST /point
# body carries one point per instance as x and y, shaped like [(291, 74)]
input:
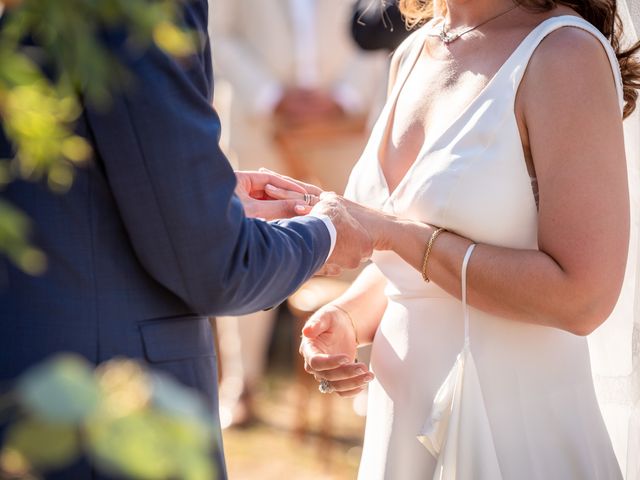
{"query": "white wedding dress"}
[(519, 402)]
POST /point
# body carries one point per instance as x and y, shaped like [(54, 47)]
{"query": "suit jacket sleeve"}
[(158, 145)]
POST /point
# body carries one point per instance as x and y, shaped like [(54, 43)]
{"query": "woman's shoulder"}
[(569, 72), (570, 50), (574, 37), (574, 54)]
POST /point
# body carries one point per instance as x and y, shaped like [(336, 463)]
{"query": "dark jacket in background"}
[(378, 25)]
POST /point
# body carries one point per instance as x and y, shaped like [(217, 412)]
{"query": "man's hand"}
[(353, 244), (254, 194), (377, 225), (329, 349)]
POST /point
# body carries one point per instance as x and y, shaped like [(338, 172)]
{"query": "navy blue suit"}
[(150, 239)]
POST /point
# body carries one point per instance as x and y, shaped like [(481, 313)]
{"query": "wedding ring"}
[(325, 386), (307, 199)]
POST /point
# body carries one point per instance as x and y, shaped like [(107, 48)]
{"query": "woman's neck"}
[(466, 13)]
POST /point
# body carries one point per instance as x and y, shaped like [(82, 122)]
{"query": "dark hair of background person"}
[(602, 14), (378, 25)]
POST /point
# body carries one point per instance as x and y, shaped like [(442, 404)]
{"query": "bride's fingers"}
[(322, 362), (266, 178), (284, 194), (352, 383), (351, 393), (281, 193), (312, 189), (315, 326), (343, 373)]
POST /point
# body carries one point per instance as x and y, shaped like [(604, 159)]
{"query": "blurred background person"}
[(378, 25), (286, 68)]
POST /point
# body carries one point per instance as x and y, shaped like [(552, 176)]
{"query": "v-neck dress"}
[(471, 177)]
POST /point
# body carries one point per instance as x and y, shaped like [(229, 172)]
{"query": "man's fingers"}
[(274, 209), (303, 209)]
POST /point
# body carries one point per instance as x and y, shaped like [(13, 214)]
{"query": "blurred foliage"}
[(126, 420), (50, 54)]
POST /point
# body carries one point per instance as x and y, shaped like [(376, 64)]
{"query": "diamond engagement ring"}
[(325, 386)]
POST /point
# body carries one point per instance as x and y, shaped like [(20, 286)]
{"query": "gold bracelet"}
[(353, 323), (425, 261)]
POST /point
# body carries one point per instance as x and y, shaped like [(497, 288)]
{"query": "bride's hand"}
[(253, 190), (329, 349), (379, 225), (309, 197)]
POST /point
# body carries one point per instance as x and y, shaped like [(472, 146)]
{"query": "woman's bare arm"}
[(573, 120), (366, 302)]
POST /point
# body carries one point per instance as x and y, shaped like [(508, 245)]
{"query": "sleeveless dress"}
[(530, 411)]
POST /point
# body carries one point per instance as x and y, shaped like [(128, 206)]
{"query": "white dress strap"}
[(527, 48), (465, 307), (457, 431)]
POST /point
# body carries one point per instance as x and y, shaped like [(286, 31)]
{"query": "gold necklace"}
[(448, 37)]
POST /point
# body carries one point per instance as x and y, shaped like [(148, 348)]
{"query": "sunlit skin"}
[(256, 200), (570, 124)]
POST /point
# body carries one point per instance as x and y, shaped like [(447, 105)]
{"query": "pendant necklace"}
[(448, 37)]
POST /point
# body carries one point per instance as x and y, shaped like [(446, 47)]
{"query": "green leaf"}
[(45, 446), (178, 400), (135, 446), (150, 444), (197, 467), (14, 235), (39, 85), (61, 390), (173, 40)]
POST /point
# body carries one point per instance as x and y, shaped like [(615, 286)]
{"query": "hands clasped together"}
[(329, 338)]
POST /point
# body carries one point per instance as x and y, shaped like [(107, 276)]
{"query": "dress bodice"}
[(471, 175)]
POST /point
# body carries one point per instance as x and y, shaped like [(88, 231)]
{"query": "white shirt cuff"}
[(332, 230)]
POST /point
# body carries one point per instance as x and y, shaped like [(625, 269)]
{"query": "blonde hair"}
[(418, 12)]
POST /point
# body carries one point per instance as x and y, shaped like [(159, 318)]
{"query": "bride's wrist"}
[(385, 232), (402, 233), (349, 318)]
